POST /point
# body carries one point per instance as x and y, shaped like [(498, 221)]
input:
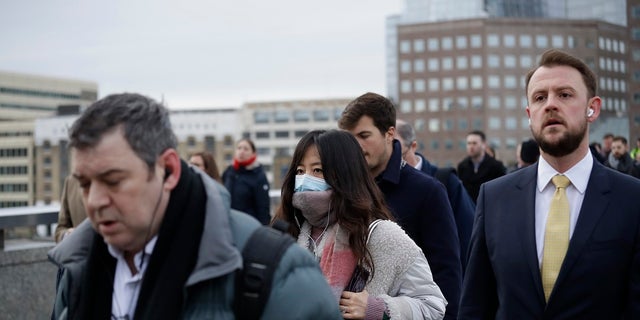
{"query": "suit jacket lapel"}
[(527, 186), (593, 207)]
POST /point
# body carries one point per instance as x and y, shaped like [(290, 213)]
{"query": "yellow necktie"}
[(556, 236)]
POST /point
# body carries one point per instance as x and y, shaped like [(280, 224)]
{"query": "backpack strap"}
[(261, 256)]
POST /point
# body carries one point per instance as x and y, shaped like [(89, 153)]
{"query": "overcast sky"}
[(198, 53)]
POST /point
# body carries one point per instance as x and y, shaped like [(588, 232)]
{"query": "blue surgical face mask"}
[(305, 182)]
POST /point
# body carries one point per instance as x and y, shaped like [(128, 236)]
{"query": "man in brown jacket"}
[(71, 208)]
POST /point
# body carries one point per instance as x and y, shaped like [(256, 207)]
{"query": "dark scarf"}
[(170, 264)]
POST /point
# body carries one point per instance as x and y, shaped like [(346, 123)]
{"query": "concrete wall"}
[(27, 283)]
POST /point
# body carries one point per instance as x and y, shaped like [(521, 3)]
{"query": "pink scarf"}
[(337, 261)]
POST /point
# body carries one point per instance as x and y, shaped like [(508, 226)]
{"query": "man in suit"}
[(479, 166), (461, 204), (592, 221)]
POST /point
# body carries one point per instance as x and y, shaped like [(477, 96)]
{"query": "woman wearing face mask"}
[(247, 182), (335, 210)]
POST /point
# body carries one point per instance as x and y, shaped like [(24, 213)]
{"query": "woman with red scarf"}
[(247, 182)]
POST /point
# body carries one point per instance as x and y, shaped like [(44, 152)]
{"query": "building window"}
[(509, 40), (434, 64), (281, 116), (509, 61), (447, 43), (476, 41), (463, 103), (321, 115), (510, 82), (447, 104), (463, 124), (418, 65), (434, 105), (300, 133), (494, 123), (477, 102), (462, 83), (494, 102), (405, 106), (493, 40), (263, 151), (448, 125), (478, 124), (493, 61), (419, 85), (418, 45), (526, 61), (493, 81), (635, 11), (434, 84), (433, 44), (571, 42), (542, 41), (447, 84), (191, 141), (447, 63), (476, 82), (420, 105), (282, 134), (511, 123), (510, 102), (405, 86), (435, 145), (461, 62), (262, 135), (260, 117), (557, 41), (302, 115), (461, 42), (405, 46), (525, 41), (405, 66), (434, 125), (476, 62)]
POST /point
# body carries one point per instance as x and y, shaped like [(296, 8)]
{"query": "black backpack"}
[(261, 256)]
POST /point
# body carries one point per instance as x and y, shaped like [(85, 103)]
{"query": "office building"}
[(461, 75)]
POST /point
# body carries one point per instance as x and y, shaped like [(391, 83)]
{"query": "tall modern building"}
[(423, 11), (22, 99), (633, 23), (461, 75)]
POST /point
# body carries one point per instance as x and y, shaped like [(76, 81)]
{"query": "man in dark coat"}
[(418, 202), (478, 167)]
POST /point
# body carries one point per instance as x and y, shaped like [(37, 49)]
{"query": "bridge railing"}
[(26, 217)]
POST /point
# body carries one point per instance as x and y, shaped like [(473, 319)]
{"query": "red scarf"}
[(237, 164)]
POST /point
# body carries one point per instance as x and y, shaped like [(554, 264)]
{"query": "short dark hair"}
[(144, 122), (554, 57), (621, 139), (479, 133), (380, 109)]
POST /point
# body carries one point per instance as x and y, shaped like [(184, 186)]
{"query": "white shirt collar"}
[(148, 249), (575, 174), (419, 164)]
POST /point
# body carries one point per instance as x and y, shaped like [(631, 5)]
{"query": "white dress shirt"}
[(126, 286), (579, 176)]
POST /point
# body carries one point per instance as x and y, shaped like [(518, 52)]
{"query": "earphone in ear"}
[(167, 173), (590, 112), (529, 121)]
